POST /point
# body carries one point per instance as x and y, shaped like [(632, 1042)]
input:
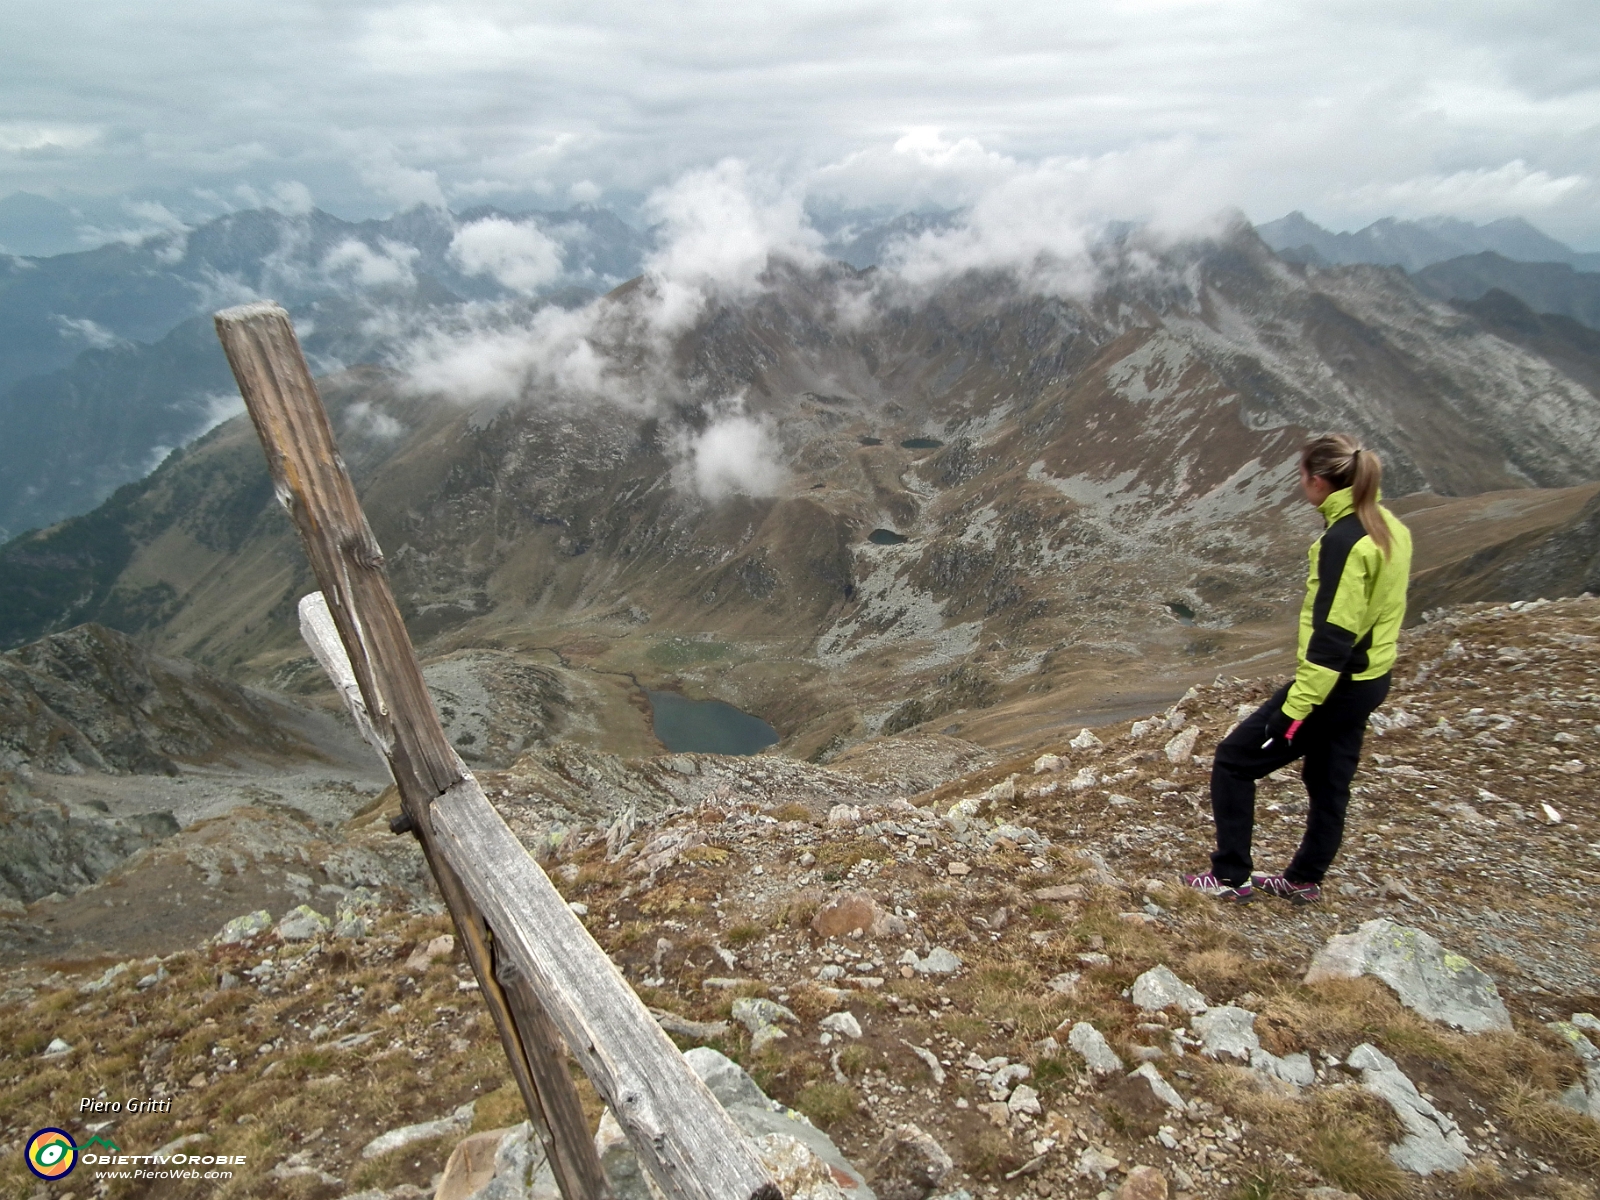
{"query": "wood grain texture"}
[(683, 1138), (390, 701), (512, 922)]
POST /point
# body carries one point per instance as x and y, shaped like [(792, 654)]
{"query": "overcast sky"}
[(1347, 109)]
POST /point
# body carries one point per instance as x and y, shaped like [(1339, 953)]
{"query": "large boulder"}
[(1438, 983)]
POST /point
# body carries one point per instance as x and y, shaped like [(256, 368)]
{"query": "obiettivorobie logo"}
[(52, 1154)]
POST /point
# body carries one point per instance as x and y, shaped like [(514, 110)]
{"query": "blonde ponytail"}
[(1345, 463)]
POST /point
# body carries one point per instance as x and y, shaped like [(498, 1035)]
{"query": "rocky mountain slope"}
[(972, 498), (1000, 959), (1545, 287)]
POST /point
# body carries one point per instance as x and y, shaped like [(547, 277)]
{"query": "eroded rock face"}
[(1437, 983), (92, 699), (47, 848)]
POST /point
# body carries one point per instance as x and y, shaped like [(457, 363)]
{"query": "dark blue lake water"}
[(707, 726)]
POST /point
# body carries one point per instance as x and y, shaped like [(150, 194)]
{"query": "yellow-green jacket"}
[(1355, 602)]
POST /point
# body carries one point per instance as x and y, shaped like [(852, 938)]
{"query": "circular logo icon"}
[(52, 1154)]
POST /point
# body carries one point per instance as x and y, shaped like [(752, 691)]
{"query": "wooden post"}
[(512, 921)]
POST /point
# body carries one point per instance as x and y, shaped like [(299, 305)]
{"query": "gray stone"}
[(1227, 1031), (57, 1048), (1158, 989), (728, 1081), (501, 1164), (1163, 1090), (1584, 1095), (1435, 982), (1085, 741), (908, 1164), (244, 928), (843, 1023), (1294, 1069), (1003, 1080), (758, 1116), (1433, 1141), (1096, 1051), (1024, 1099), (938, 962), (407, 1135), (761, 1016), (303, 923)]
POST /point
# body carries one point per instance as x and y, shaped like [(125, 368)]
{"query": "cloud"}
[(735, 454), (719, 229), (387, 266), (21, 137), (97, 337), (1483, 192), (517, 255)]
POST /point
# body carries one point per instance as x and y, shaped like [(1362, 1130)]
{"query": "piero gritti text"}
[(131, 1105)]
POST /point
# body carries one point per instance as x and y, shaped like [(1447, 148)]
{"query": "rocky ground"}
[(957, 943)]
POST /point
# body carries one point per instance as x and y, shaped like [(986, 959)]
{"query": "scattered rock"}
[(908, 1164), (1441, 985), (1024, 1099), (1085, 741), (1181, 746), (929, 1060), (1227, 1031), (1159, 989), (1059, 894), (1330, 1193), (1003, 1080), (1047, 762), (1143, 1183), (853, 912), (1095, 1050), (1085, 779), (797, 1169), (842, 1023), (1159, 1087), (700, 1031), (424, 956), (844, 816), (500, 1164), (242, 929), (56, 1049), (112, 974), (1096, 1162), (407, 1135), (303, 923), (939, 961), (1433, 1142), (1584, 1094), (761, 1016), (959, 868)]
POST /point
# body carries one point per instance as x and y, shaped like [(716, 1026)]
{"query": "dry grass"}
[(1352, 1160), (827, 1103), (1563, 1134)]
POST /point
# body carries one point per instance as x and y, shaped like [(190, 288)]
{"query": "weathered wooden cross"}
[(541, 974)]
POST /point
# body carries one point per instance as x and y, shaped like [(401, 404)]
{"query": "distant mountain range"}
[(107, 361), (1417, 244)]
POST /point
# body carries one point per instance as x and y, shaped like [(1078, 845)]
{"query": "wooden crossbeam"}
[(542, 976)]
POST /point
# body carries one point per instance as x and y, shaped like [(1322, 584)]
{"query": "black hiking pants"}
[(1330, 742)]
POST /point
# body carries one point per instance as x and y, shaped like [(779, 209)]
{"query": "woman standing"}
[(1349, 627)]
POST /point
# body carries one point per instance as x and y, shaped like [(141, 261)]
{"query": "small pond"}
[(1183, 612), (870, 441), (922, 443), (887, 537), (707, 726)]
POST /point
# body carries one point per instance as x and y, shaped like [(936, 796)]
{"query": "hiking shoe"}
[(1228, 893), (1295, 893)]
